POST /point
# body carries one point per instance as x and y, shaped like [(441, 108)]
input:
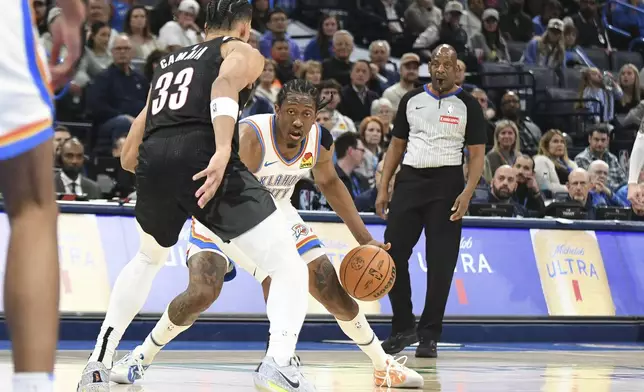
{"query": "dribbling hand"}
[(382, 203), (379, 244), (214, 173)]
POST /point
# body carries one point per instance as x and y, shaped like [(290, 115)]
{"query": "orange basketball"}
[(367, 273)]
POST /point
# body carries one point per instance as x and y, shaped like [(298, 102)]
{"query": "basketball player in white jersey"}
[(281, 149), (27, 184)]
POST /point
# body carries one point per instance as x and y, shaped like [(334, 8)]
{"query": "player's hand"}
[(460, 206), (382, 203), (66, 32), (214, 173), (379, 244), (636, 195)]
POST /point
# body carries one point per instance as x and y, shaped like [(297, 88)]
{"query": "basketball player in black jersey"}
[(185, 169)]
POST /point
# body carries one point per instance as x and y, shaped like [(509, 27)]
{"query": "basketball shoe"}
[(397, 375), (269, 376), (95, 378), (130, 368)]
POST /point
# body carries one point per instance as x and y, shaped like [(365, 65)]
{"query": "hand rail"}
[(616, 29)]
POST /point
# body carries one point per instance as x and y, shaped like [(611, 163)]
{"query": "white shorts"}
[(308, 244), (26, 102)]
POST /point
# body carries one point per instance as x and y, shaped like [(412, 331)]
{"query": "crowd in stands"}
[(559, 85)]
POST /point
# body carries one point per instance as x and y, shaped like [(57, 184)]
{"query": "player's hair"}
[(224, 14), (300, 87)]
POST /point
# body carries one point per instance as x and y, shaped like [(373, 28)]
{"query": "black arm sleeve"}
[(326, 139), (401, 124), (476, 127)]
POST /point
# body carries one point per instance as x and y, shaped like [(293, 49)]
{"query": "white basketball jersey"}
[(278, 174)]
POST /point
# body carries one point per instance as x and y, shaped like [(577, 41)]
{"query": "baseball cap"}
[(454, 6), (409, 58), (490, 13), (556, 24), (189, 6)]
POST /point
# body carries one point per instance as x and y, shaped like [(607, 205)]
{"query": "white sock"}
[(33, 382), (163, 333), (128, 297), (361, 333)]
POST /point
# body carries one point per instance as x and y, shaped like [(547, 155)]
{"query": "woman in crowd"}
[(310, 70), (489, 43), (600, 93), (97, 55), (629, 82), (266, 87), (320, 47), (552, 165), (371, 131), (137, 27), (384, 110), (505, 150)]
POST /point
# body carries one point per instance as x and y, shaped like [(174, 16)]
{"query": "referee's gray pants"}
[(423, 198)]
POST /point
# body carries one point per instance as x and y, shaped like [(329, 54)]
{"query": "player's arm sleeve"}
[(476, 126), (401, 123), (326, 139), (637, 157)]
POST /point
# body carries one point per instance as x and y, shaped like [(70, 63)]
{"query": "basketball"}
[(367, 273)]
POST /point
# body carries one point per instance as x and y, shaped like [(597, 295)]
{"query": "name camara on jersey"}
[(194, 54)]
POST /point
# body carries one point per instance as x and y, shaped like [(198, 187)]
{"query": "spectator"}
[(579, 191), (575, 55), (284, 66), (420, 15), (330, 93), (137, 27), (506, 147), (547, 50), (448, 32), (311, 71), (184, 31), (382, 18), (381, 76), (69, 179), (591, 31), (529, 132), (600, 93), (350, 150), (551, 10), (151, 63), (61, 133), (489, 113), (515, 24), (471, 20), (40, 12), (409, 65), (323, 117), (489, 43), (366, 202), (600, 192), (320, 47), (339, 66), (552, 165), (383, 109), (527, 193), (356, 97), (101, 11), (502, 188), (260, 15), (277, 26), (266, 87), (598, 141), (97, 56), (162, 13), (120, 9), (461, 70), (118, 95), (307, 196), (629, 82), (371, 132)]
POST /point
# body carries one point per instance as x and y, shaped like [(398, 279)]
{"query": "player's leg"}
[(31, 291)]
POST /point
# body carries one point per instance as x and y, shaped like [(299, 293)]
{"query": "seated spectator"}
[(502, 188), (61, 133), (472, 21), (506, 147), (137, 27), (323, 117), (409, 65), (40, 12), (551, 10), (320, 47), (461, 70), (575, 55), (601, 194), (97, 56), (591, 31), (266, 87), (310, 70), (420, 15), (489, 44), (527, 193), (383, 74), (330, 93), (184, 31), (603, 91), (307, 196), (339, 66), (598, 143), (277, 26), (629, 82), (162, 13), (151, 63), (366, 202), (552, 165), (547, 50), (261, 10), (529, 132), (489, 113), (100, 11), (356, 97), (69, 179), (382, 19), (284, 65), (117, 96), (371, 131), (579, 191), (383, 109), (628, 19), (448, 32), (515, 24), (349, 150)]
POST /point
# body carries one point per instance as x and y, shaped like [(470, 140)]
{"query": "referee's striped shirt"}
[(437, 129)]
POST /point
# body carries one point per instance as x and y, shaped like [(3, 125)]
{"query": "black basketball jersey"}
[(180, 91)]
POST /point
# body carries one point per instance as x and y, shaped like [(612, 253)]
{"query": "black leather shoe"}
[(398, 342), (426, 349)]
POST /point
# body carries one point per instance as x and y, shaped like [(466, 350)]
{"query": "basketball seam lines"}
[(364, 272), (389, 260)]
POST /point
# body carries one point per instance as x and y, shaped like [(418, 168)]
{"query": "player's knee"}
[(207, 271), (151, 251), (325, 287)]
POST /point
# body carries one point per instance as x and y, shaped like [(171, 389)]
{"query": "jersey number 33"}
[(175, 100)]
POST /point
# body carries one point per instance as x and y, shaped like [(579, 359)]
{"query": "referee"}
[(432, 126)]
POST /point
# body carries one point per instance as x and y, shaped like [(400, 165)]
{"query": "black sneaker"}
[(426, 349), (398, 342)]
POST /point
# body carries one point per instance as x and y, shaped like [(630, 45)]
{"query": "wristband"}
[(224, 106)]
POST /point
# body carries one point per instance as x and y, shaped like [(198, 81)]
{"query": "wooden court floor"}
[(345, 370)]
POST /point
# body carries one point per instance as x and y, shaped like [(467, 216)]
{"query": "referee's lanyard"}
[(355, 186)]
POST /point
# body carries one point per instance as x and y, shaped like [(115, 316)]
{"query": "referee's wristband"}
[(224, 106)]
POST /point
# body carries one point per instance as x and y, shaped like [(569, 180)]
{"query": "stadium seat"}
[(620, 58), (598, 57)]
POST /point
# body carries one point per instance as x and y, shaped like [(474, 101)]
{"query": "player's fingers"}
[(201, 174), (386, 246), (456, 205)]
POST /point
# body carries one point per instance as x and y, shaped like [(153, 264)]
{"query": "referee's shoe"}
[(399, 341)]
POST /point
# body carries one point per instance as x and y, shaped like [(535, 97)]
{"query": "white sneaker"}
[(397, 375), (95, 378), (129, 369)]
